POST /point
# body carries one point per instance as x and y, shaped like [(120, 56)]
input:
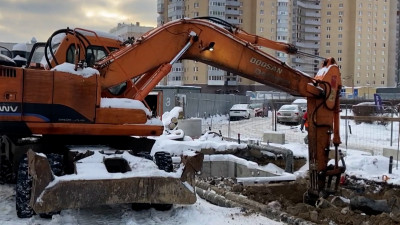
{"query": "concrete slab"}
[(274, 137)]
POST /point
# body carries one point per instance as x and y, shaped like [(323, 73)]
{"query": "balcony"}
[(307, 45), (232, 12), (310, 14), (298, 60), (311, 38), (312, 30), (160, 8), (312, 22), (308, 5), (232, 83), (232, 3), (216, 73), (233, 21), (215, 82)]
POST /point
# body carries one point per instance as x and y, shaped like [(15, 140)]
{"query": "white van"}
[(302, 103)]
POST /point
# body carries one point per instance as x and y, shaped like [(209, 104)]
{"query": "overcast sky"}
[(20, 20)]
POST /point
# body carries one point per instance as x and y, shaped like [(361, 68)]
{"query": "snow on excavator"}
[(71, 148)]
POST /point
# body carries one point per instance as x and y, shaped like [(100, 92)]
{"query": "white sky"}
[(20, 20)]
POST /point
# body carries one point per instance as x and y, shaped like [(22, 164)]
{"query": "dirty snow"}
[(359, 163)]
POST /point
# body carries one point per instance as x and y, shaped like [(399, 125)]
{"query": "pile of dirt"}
[(339, 209)]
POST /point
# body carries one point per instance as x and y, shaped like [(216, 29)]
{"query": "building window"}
[(328, 13), (328, 36), (340, 5), (261, 12), (339, 51), (340, 36), (195, 69), (196, 5), (195, 14)]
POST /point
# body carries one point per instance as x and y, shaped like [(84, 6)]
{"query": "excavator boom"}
[(237, 52)]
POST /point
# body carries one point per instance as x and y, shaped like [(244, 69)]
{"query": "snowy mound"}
[(70, 68)]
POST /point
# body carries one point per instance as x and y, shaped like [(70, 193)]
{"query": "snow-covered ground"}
[(359, 163), (363, 151)]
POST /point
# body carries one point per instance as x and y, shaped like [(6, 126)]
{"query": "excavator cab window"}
[(95, 53), (71, 54), (118, 89)]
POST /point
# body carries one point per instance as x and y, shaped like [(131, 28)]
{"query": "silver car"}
[(289, 114)]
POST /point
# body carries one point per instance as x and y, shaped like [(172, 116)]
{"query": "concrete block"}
[(274, 137), (191, 127), (387, 152), (219, 169)]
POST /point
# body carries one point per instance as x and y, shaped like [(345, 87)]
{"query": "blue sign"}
[(355, 93), (378, 101)]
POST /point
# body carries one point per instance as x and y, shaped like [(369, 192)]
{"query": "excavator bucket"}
[(93, 184)]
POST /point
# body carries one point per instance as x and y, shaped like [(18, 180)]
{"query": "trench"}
[(221, 182)]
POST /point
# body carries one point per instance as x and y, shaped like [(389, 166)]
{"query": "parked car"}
[(302, 103), (289, 114), (240, 111), (260, 109)]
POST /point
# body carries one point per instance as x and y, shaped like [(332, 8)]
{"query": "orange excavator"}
[(55, 114)]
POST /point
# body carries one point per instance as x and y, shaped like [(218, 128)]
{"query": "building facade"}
[(126, 31), (287, 21), (363, 36)]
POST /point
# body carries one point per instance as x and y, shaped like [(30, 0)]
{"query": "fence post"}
[(398, 143), (390, 164), (346, 134), (391, 131), (229, 126)]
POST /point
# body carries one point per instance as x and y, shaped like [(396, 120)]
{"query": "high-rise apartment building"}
[(126, 31), (361, 34)]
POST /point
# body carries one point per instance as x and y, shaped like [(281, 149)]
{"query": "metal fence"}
[(202, 105), (375, 134)]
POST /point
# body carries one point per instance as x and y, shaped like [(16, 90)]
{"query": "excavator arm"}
[(150, 58)]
